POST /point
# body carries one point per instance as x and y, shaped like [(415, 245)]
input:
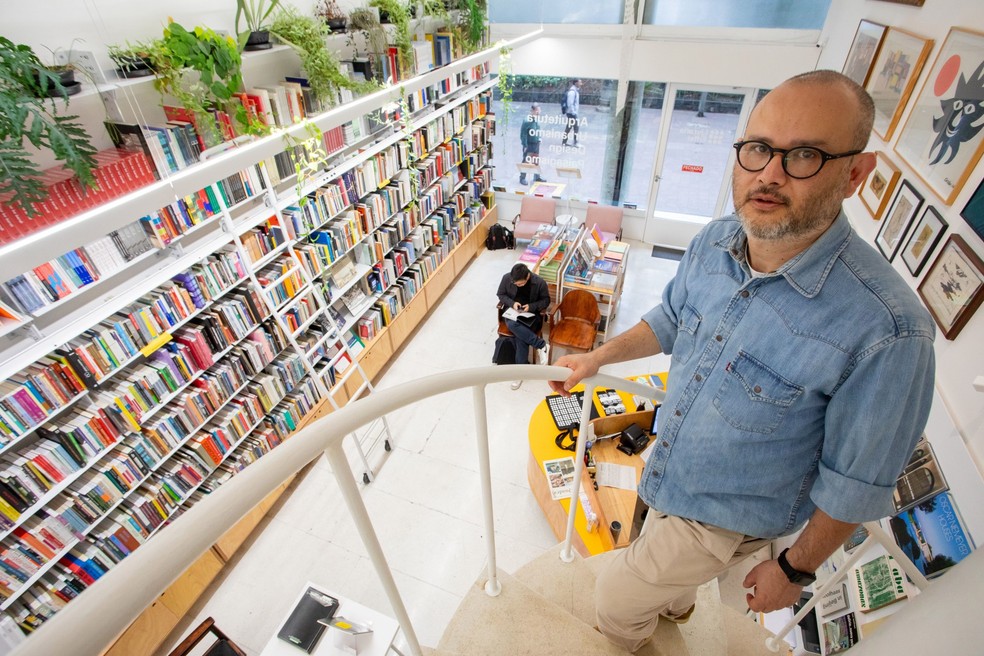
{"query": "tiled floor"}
[(425, 500)]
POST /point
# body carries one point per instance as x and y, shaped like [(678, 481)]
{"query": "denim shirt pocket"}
[(753, 397), (687, 325)]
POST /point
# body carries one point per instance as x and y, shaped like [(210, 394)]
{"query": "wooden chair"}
[(608, 219), (577, 326), (222, 645), (532, 213)]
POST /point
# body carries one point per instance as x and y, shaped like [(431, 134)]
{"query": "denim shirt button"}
[(744, 293), (757, 389), (718, 338), (678, 413), (665, 444), (698, 378)]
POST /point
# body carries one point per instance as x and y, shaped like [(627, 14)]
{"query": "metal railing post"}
[(567, 552), (357, 508), (492, 586)]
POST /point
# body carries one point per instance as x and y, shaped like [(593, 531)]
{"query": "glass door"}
[(694, 157)]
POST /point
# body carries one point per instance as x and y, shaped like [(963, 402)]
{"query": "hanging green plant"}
[(505, 82), (307, 36), (399, 16), (26, 116), (469, 28), (217, 61)]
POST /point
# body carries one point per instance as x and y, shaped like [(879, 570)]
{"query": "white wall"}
[(958, 361)]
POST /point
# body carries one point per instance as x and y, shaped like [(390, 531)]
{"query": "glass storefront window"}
[(589, 141), (644, 109), (786, 14), (592, 12)]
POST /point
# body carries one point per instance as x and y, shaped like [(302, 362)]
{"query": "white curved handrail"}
[(120, 595)]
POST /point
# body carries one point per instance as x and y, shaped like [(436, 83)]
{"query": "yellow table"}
[(608, 503)]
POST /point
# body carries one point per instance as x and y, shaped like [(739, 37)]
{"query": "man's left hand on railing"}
[(772, 589)]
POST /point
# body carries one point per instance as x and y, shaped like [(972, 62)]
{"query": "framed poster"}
[(904, 207), (879, 185), (942, 138), (863, 50), (923, 239), (973, 213), (893, 76), (952, 288)]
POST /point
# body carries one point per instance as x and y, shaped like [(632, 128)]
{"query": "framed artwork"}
[(863, 50), (952, 288), (904, 207), (973, 213), (942, 138), (893, 76), (878, 188), (923, 239)]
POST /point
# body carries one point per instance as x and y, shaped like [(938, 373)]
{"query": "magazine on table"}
[(560, 477)]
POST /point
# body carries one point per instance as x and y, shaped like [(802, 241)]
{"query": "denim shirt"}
[(804, 388)]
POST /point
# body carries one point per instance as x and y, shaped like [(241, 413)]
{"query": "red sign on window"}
[(692, 168)]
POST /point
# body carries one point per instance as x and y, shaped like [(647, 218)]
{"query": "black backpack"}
[(499, 237), (505, 350)]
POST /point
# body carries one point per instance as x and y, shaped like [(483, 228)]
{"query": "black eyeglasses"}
[(800, 162)]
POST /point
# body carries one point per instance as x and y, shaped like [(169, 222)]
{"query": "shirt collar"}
[(808, 270)]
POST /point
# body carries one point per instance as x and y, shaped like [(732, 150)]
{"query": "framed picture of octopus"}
[(943, 137)]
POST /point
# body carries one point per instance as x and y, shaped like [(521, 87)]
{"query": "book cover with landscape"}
[(840, 634), (931, 535), (878, 583)]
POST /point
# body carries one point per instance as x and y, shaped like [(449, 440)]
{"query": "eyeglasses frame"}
[(825, 157)]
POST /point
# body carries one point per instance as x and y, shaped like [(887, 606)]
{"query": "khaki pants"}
[(659, 573)]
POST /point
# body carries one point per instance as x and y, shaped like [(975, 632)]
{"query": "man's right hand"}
[(582, 366), (516, 305)]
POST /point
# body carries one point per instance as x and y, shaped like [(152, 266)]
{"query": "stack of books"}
[(117, 172)]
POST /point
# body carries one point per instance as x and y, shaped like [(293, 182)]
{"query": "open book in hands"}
[(516, 315)]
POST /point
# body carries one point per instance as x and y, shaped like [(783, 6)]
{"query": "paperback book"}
[(878, 583), (921, 479), (932, 535), (560, 477), (840, 634)]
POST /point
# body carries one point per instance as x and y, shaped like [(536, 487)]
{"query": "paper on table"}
[(612, 475)]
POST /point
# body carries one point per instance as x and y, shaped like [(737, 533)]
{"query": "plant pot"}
[(67, 78), (133, 66), (258, 41), (336, 25)]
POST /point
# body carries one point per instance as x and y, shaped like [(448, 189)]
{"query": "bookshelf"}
[(207, 340)]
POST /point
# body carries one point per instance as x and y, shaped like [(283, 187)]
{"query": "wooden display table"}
[(609, 503)]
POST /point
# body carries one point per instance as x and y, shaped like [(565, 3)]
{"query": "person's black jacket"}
[(539, 294)]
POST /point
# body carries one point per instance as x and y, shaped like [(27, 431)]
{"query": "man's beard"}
[(812, 217)]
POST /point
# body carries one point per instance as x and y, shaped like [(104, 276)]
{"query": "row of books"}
[(262, 240), (117, 172)]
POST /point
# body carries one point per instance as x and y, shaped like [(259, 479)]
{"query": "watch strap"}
[(794, 575)]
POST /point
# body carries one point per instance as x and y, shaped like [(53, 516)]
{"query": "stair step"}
[(517, 622), (714, 629)]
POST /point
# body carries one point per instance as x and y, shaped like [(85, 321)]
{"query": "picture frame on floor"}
[(953, 288), (864, 49), (900, 214), (941, 139), (923, 240), (878, 188), (900, 60)]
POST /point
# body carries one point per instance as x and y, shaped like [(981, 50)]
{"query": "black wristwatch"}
[(794, 575)]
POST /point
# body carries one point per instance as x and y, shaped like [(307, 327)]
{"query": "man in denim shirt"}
[(801, 374)]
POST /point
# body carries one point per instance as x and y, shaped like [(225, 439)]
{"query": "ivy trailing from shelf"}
[(218, 63), (307, 35), (28, 116), (399, 16), (470, 25), (505, 82)]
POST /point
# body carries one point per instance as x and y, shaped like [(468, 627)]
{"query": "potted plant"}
[(256, 36), (26, 118), (364, 22), (399, 15), (217, 62), (307, 36), (469, 28), (329, 12), (133, 60), (61, 66)]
